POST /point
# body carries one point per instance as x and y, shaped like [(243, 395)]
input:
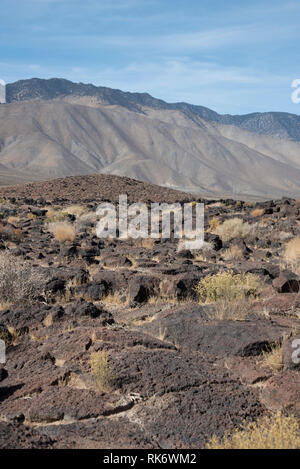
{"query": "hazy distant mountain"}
[(276, 124), (77, 135)]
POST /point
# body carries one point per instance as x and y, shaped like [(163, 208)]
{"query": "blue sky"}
[(232, 56)]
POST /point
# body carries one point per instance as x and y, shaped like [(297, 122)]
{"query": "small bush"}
[(77, 210), (227, 285), (101, 371), (230, 294), (275, 432), (19, 281), (257, 212), (62, 231), (13, 220), (233, 228), (214, 223), (232, 253), (273, 358), (55, 215), (292, 250)]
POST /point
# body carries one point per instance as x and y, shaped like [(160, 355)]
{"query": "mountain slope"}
[(55, 138), (276, 124)]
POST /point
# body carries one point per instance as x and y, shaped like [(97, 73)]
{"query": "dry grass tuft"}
[(100, 369), (62, 231), (232, 253), (233, 228), (274, 432), (214, 223), (292, 250), (292, 255), (115, 299), (13, 220), (273, 358), (77, 210), (257, 212), (54, 215)]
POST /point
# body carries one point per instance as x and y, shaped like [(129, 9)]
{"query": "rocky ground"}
[(175, 375)]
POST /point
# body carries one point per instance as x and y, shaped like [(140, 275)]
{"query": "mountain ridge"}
[(55, 138), (276, 124)]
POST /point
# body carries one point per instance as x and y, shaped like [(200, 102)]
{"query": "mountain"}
[(276, 124), (77, 135)]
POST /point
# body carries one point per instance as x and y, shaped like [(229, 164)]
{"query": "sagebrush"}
[(234, 228), (19, 281)]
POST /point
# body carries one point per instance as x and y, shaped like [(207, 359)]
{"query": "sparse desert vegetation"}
[(257, 212), (292, 254), (230, 294), (62, 231), (112, 329), (275, 432), (273, 358), (19, 281), (101, 371), (233, 253), (233, 228)]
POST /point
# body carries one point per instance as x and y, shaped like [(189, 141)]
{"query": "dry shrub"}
[(274, 432), (273, 358), (292, 250), (77, 210), (117, 298), (100, 369), (204, 252), (62, 231), (257, 212), (230, 294), (233, 228), (55, 215), (214, 223), (13, 220), (18, 234), (19, 281), (9, 233), (292, 255), (234, 252)]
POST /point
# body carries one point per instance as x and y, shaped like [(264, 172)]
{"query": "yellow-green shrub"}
[(274, 432), (101, 371), (227, 285)]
